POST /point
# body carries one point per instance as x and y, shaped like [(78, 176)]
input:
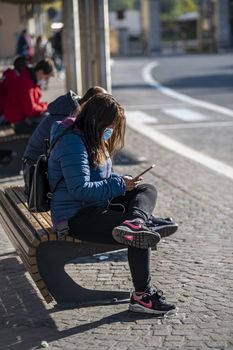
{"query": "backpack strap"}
[(48, 150)]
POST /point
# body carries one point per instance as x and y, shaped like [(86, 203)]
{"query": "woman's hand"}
[(131, 183)]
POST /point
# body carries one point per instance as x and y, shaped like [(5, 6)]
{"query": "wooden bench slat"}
[(48, 298), (47, 217), (36, 221), (31, 260), (36, 277), (18, 222), (10, 136), (52, 234), (5, 133), (41, 286), (12, 234), (30, 268), (12, 238), (44, 219), (13, 225), (44, 292), (78, 241), (29, 234), (35, 228), (69, 239)]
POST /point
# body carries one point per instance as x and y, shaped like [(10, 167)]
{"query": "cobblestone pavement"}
[(193, 267)]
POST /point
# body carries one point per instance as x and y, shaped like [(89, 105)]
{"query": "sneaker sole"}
[(142, 239), (141, 309), (166, 230)]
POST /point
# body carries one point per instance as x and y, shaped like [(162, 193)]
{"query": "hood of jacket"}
[(60, 127), (65, 104)]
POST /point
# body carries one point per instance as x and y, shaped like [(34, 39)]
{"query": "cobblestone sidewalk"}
[(193, 267)]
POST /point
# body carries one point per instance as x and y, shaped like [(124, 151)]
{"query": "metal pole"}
[(104, 45), (223, 23), (71, 46), (94, 36), (150, 10)]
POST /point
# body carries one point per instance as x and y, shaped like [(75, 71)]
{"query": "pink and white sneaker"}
[(151, 301), (135, 234)]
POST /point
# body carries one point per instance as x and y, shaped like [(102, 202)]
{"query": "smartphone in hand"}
[(143, 172)]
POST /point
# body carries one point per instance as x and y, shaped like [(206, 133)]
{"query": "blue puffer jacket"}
[(59, 109), (82, 185)]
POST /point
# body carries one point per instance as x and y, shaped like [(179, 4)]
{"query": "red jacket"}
[(7, 85), (2, 95), (24, 100)]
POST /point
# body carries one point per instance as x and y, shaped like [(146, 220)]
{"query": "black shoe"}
[(151, 301), (135, 234), (165, 227)]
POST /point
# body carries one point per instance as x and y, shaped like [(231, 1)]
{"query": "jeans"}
[(95, 224)]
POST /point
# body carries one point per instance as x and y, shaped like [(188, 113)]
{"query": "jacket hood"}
[(60, 127), (65, 104)]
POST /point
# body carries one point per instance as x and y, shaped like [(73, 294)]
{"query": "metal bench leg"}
[(51, 259)]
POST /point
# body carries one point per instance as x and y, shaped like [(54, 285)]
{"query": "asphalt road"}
[(203, 123), (206, 77)]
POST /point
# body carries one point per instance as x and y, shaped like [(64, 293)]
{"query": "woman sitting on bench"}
[(84, 201)]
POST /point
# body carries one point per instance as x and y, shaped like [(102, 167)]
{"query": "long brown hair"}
[(94, 90), (98, 113), (88, 94)]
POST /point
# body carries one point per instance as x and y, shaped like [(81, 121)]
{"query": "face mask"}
[(107, 134), (42, 83)]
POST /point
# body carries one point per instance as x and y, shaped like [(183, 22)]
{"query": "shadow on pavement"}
[(207, 81), (116, 256), (21, 310), (126, 158), (24, 320), (122, 316), (132, 86)]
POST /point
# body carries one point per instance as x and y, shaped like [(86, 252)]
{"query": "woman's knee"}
[(148, 187)]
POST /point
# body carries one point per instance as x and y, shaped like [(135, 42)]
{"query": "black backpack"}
[(40, 193)]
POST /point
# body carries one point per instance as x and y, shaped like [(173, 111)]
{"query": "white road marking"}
[(140, 117), (185, 114), (193, 125), (148, 78), (179, 148), (154, 106)]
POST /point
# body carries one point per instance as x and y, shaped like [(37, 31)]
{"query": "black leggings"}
[(95, 224)]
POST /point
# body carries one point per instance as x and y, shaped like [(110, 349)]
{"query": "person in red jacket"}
[(8, 82), (7, 88), (24, 108)]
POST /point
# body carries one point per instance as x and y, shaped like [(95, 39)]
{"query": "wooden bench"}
[(16, 143), (44, 256), (7, 134)]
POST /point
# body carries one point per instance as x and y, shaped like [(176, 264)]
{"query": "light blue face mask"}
[(107, 134), (42, 83)]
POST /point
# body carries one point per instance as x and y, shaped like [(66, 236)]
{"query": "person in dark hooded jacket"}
[(58, 110)]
